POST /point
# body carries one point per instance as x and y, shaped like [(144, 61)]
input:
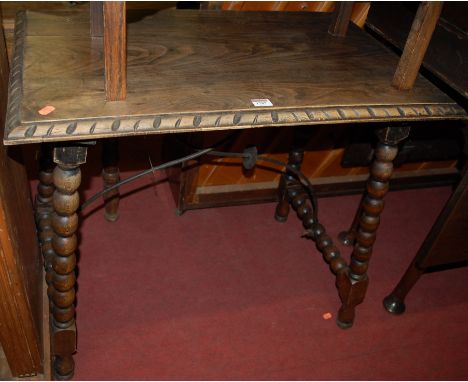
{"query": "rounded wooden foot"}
[(280, 218), (282, 211), (111, 217), (343, 324), (64, 368), (346, 238), (394, 305)]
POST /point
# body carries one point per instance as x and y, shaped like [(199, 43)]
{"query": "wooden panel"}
[(20, 260), (204, 76)]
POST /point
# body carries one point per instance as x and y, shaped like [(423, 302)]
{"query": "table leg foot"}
[(344, 325), (64, 368), (394, 305), (352, 293)]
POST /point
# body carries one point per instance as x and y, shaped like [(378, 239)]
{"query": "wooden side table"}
[(195, 71)]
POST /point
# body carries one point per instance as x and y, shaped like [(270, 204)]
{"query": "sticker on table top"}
[(46, 110), (261, 102), (327, 316)]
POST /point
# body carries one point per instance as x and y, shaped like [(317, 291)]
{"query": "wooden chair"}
[(443, 246)]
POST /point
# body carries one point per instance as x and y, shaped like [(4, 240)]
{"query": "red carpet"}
[(229, 293)]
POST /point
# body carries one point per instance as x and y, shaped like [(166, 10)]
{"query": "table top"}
[(192, 70)]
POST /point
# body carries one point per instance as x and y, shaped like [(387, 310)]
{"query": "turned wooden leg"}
[(111, 176), (352, 285), (348, 237), (43, 212), (287, 180), (440, 236), (301, 203), (67, 178)]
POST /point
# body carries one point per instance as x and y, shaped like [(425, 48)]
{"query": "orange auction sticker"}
[(46, 110)]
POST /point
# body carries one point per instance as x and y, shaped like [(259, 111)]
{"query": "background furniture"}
[(23, 320), (444, 245)]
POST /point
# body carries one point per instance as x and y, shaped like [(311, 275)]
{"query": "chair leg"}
[(395, 302), (111, 176), (352, 285)]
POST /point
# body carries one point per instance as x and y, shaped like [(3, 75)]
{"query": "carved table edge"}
[(15, 85), (18, 132), (94, 128)]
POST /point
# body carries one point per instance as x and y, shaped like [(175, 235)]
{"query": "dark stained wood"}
[(353, 285), (416, 45), (299, 200), (445, 244), (341, 18), (111, 176), (67, 178), (115, 50), (20, 261), (196, 71), (352, 280), (302, 70), (96, 14), (348, 237)]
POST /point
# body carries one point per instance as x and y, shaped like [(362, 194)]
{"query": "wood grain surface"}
[(199, 70), (341, 18), (416, 45), (115, 50)]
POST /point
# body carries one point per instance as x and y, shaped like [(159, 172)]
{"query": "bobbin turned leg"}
[(353, 284), (67, 178), (296, 156), (44, 210), (111, 176), (348, 237)]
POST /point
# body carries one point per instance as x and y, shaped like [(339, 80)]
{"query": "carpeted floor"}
[(229, 293)]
